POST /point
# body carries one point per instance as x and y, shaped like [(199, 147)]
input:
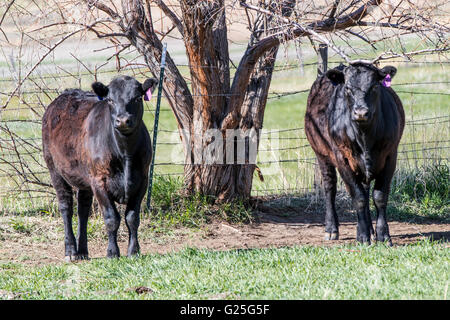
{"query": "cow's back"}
[(62, 132), (316, 117)]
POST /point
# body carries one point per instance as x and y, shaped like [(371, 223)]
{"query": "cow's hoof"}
[(133, 253), (385, 239), (76, 257), (71, 258), (331, 235), (363, 240), (113, 255)]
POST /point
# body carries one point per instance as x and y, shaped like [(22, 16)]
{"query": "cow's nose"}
[(123, 122), (360, 114)]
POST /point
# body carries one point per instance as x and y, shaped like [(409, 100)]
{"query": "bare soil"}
[(42, 243)]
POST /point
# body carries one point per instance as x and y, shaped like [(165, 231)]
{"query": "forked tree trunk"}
[(206, 43)]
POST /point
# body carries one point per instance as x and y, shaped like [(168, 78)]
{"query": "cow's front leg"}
[(380, 198), (368, 215), (132, 219), (361, 203), (112, 221), (360, 199)]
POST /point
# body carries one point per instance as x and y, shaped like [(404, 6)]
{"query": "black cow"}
[(354, 122), (100, 148)]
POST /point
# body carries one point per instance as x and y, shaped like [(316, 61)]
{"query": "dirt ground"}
[(42, 243)]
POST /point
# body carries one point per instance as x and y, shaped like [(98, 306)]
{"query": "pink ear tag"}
[(387, 81), (148, 95)]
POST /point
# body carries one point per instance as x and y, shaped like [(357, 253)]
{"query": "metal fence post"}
[(155, 127)]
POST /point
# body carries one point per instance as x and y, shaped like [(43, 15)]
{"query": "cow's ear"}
[(388, 70), (100, 89), (335, 76), (149, 84)]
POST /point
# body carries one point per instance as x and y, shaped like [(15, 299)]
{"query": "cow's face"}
[(361, 89), (124, 95)]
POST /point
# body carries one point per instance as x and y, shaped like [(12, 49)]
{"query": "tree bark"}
[(205, 38)]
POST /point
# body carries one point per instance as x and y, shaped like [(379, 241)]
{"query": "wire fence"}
[(284, 156)]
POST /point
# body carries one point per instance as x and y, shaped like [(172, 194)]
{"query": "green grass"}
[(418, 271)]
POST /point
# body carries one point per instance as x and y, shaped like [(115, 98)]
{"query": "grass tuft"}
[(171, 206), (423, 191), (21, 226)]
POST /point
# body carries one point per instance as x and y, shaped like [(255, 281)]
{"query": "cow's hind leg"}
[(329, 184), (84, 199), (65, 202)]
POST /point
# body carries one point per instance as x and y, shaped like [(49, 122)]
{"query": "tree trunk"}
[(205, 37)]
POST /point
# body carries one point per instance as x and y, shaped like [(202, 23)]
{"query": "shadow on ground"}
[(309, 211), (309, 208)]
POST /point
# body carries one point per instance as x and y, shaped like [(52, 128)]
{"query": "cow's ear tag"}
[(148, 95), (387, 81)]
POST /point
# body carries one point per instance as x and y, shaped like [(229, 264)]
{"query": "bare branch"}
[(67, 36), (407, 55), (314, 28), (6, 11), (170, 14), (101, 6)]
